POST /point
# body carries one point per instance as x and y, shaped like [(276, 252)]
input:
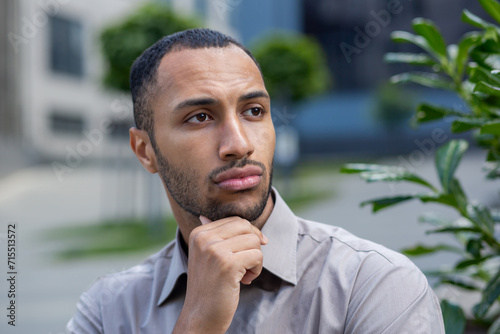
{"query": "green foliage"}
[(111, 237), (471, 69), (124, 41), (454, 317), (294, 66)]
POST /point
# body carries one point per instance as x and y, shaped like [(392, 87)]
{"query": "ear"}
[(141, 145)]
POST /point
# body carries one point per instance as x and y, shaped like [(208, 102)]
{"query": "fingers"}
[(252, 261), (229, 227)]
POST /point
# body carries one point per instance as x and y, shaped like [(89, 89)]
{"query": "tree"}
[(294, 66), (124, 41)]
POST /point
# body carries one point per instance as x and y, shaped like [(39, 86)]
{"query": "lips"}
[(239, 178)]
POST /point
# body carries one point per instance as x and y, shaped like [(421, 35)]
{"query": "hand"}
[(222, 254)]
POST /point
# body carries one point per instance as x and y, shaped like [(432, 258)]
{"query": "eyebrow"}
[(196, 102), (253, 95), (203, 101)]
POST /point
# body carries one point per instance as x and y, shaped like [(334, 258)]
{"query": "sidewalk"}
[(36, 201)]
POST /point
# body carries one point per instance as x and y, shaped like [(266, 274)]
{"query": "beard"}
[(181, 183)]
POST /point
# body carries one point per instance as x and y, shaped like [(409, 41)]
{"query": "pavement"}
[(36, 201)]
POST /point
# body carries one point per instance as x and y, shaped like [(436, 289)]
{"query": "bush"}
[(471, 69)]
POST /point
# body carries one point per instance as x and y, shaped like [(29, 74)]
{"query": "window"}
[(65, 123), (66, 46)]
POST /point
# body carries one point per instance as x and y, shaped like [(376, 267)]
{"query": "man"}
[(242, 262)]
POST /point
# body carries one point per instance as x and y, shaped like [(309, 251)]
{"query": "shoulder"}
[(139, 276), (381, 290), (113, 294), (343, 243)]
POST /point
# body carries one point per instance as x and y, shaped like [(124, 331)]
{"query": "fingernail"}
[(204, 220), (266, 240)]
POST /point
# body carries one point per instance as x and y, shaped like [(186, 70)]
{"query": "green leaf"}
[(447, 159), (454, 229), (395, 177), (420, 249), (495, 327), (382, 203), (453, 316), (459, 197), (406, 37), (459, 283), (489, 295), (485, 88), (482, 216), (419, 59), (491, 128), (471, 262), (375, 173), (486, 54), (492, 7), (492, 156), (446, 199), (466, 124), (355, 168), (426, 113), (428, 30), (478, 74), (431, 80), (474, 20), (474, 247), (468, 41)]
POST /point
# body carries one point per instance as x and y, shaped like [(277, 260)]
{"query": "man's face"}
[(213, 131)]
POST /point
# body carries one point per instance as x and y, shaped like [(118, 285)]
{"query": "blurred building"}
[(9, 113), (355, 34), (52, 100), (51, 72)]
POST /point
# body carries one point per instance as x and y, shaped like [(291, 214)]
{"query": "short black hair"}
[(143, 74)]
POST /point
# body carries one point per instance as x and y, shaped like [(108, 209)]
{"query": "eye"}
[(199, 118), (255, 112)]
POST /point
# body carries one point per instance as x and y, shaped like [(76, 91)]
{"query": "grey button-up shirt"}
[(316, 279)]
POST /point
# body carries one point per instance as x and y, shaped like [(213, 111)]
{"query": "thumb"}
[(204, 220)]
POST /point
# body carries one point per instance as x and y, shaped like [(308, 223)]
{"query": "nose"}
[(234, 142)]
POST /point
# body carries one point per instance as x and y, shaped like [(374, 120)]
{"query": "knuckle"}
[(198, 239)]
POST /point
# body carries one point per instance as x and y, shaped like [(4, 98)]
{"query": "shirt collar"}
[(280, 254), (178, 267)]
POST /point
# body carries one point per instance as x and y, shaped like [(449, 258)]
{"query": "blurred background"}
[(85, 207)]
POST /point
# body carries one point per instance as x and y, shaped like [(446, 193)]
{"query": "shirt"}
[(316, 278)]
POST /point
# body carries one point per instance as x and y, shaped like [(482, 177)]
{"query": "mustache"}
[(236, 164)]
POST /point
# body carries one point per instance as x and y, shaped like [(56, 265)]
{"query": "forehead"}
[(206, 71)]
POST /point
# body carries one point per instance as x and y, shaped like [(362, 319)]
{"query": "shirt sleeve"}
[(393, 298), (87, 319)]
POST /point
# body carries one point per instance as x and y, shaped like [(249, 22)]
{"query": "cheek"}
[(264, 143), (191, 153)]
